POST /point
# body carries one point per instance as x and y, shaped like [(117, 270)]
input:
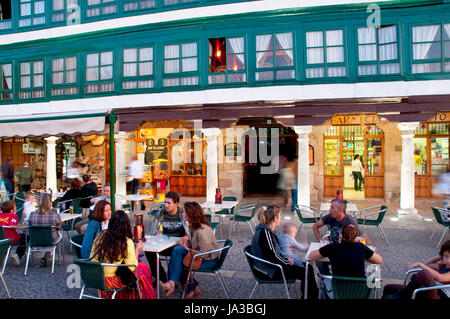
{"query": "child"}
[(435, 271), (288, 243), (8, 218), (29, 206)]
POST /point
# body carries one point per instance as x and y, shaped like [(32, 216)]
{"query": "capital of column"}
[(211, 132), (407, 128), (51, 139), (303, 130)]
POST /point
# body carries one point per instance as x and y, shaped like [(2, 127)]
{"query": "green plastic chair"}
[(93, 276), (238, 218), (438, 216), (213, 224), (348, 287), (40, 236), (225, 212), (223, 254), (264, 280), (77, 241), (2, 236), (4, 248), (364, 221), (303, 210)]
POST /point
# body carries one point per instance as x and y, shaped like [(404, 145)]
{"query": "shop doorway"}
[(341, 144), (255, 182)]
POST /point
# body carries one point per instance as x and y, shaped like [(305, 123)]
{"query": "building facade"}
[(321, 81)]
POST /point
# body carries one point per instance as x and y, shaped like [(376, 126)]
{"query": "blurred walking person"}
[(8, 176)]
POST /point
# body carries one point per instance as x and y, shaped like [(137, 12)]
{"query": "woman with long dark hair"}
[(115, 245), (98, 222), (201, 239)]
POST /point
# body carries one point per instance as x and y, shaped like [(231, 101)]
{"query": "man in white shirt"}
[(136, 171), (357, 170), (29, 206)]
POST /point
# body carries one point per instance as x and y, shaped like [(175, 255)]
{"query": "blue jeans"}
[(9, 185), (178, 273), (294, 196)]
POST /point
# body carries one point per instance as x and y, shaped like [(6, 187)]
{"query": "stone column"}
[(212, 181), (303, 180), (121, 172), (407, 169), (51, 181)]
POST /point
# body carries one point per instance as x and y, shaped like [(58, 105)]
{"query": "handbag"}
[(187, 261), (127, 277)]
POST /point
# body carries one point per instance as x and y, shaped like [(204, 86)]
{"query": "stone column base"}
[(409, 213)]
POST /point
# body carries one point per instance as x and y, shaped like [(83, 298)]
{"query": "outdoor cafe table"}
[(157, 244), (351, 209), (213, 207), (133, 198), (314, 246), (66, 216)]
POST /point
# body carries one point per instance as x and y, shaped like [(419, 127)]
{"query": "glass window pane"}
[(25, 68), (38, 80), (58, 78), (71, 63), (315, 56), (367, 52), (146, 54), (171, 66), (189, 49), (314, 39), (264, 76), (426, 33), (388, 52), (92, 74), (57, 65), (106, 58), (264, 42), (129, 69), (189, 65), (427, 51), (335, 37), (387, 34), (335, 54), (25, 9), (332, 157), (171, 51), (106, 72), (285, 58), (58, 5), (235, 45), (439, 155), (145, 68), (264, 59), (420, 156), (130, 55), (38, 67), (92, 59), (366, 35), (283, 41), (71, 76), (39, 7), (236, 62)]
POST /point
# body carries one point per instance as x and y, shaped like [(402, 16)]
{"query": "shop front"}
[(431, 153), (351, 135)]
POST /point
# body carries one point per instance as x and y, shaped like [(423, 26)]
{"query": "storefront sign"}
[(355, 119), (441, 117), (13, 140), (154, 152)]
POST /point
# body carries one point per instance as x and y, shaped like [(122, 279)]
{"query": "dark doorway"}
[(267, 131)]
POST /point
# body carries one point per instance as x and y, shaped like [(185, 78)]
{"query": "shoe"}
[(169, 287), (194, 293), (16, 259)]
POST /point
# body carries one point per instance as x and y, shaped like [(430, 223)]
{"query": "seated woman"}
[(348, 257), (98, 222), (265, 245), (201, 239), (45, 215), (435, 271), (115, 246)]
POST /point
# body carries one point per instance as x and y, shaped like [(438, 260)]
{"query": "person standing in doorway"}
[(8, 176), (25, 177), (357, 170), (136, 171)]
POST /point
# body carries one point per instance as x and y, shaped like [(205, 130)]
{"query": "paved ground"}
[(408, 238)]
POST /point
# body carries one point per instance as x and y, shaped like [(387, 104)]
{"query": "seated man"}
[(337, 219), (171, 221)]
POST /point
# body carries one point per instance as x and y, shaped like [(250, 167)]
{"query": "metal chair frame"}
[(380, 229), (410, 272), (2, 235), (5, 242), (115, 291), (440, 221), (30, 249), (251, 221), (373, 293), (285, 282), (217, 272), (300, 209)]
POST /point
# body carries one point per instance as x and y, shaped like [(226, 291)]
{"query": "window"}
[(99, 72), (325, 54), (31, 80), (64, 76), (7, 82), (5, 15), (378, 51), (137, 68), (97, 8), (226, 60), (133, 5), (274, 57), (60, 9), (180, 64), (431, 48), (32, 12), (174, 2)]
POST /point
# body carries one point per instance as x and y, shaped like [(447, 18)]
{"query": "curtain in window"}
[(367, 47), (285, 40), (171, 52), (39, 7), (129, 69), (189, 54), (7, 76), (58, 5), (424, 34), (106, 60), (335, 49), (262, 44), (388, 43), (314, 44), (237, 46)]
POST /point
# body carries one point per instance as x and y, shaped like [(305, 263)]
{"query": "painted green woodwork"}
[(249, 26)]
